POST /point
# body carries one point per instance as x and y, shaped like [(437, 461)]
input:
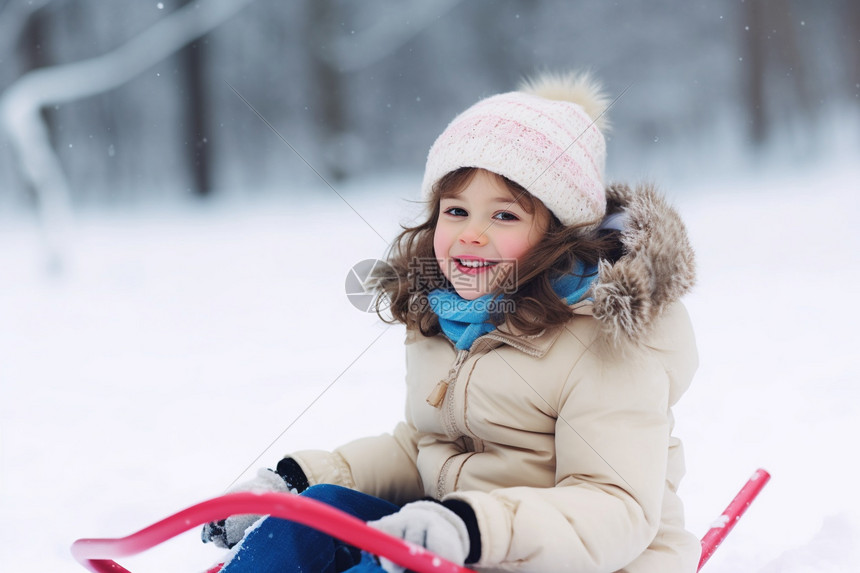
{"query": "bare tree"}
[(343, 52), (15, 17), (193, 58), (776, 75), (850, 10), (755, 55), (329, 84), (21, 104)]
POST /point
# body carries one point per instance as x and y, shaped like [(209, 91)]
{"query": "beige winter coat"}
[(562, 442)]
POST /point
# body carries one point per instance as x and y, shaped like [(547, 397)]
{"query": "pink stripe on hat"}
[(576, 138)]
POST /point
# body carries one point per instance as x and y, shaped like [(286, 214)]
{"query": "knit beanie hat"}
[(546, 137)]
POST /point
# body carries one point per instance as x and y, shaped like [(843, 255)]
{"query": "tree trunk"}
[(851, 22), (33, 54), (792, 56), (754, 55), (193, 59), (328, 88)]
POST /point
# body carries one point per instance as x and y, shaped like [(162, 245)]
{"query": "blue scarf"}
[(463, 321)]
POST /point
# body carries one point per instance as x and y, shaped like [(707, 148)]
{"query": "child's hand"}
[(430, 525), (228, 532)]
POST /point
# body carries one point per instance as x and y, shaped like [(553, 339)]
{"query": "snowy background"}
[(180, 319), (183, 341)]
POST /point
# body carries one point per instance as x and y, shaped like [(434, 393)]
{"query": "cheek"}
[(441, 242), (441, 245), (517, 245), (514, 247)]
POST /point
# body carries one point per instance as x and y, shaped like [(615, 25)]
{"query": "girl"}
[(545, 349)]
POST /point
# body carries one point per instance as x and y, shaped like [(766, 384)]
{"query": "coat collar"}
[(536, 345), (657, 268)]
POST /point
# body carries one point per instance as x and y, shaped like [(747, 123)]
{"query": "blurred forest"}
[(360, 88)]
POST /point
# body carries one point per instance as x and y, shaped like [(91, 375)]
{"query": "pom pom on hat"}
[(579, 88), (546, 137)]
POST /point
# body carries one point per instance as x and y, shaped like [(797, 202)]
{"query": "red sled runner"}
[(97, 554)]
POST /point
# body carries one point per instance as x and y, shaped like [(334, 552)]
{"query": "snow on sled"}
[(97, 554)]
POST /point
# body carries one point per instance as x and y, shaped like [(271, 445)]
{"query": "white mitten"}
[(430, 525), (228, 532)]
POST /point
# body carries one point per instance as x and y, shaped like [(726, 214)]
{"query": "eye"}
[(506, 216), (456, 211)]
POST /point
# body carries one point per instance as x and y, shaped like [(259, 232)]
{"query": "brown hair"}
[(414, 272)]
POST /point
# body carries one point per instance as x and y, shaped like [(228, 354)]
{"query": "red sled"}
[(97, 554)]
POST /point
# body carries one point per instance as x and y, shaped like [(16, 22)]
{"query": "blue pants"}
[(281, 546)]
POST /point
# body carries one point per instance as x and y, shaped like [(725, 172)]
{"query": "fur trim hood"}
[(657, 268)]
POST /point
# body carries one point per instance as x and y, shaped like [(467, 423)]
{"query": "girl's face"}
[(481, 235)]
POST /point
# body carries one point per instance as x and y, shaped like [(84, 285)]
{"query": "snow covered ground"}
[(181, 343)]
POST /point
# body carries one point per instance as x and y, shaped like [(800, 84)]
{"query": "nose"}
[(474, 235)]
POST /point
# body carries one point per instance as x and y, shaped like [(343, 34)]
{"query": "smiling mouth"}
[(473, 266), (475, 263)]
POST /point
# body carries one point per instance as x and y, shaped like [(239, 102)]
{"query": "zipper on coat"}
[(437, 395)]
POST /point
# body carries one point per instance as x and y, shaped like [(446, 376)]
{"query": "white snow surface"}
[(186, 346)]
